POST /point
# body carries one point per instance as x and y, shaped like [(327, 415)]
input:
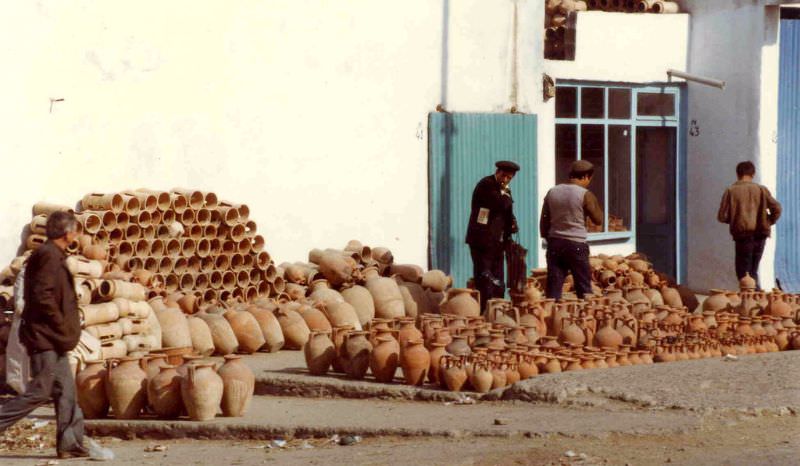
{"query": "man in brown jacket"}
[(750, 210), (50, 328)]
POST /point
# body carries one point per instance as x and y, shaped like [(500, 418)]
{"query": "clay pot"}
[(454, 373), (458, 346), (361, 300), (201, 390), (718, 301), (384, 359), (238, 383), (342, 314), (407, 272), (777, 307), (436, 280), (174, 327), (270, 328), (527, 368), (225, 341), (248, 332), (101, 313), (481, 377), (126, 388), (164, 393), (407, 331), (437, 352), (294, 328), (315, 318), (202, 340), (415, 361), (90, 386), (462, 302), (356, 351), (335, 268), (338, 335), (415, 299), (322, 293), (319, 352), (386, 295)]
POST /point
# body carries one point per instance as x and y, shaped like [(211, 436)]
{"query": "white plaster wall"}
[(735, 42), (640, 50), (311, 112)]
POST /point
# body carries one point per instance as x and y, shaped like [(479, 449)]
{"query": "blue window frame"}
[(598, 122)]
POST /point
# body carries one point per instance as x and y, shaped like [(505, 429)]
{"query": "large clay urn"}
[(356, 351), (415, 361), (126, 386), (202, 340), (481, 377), (319, 352), (248, 332), (408, 331), (338, 335), (386, 295), (415, 299), (361, 300), (322, 293), (342, 314), (384, 359), (335, 268), (90, 386), (174, 328), (201, 390), (225, 341), (164, 393), (238, 383), (437, 352), (463, 302), (295, 330), (151, 364), (270, 328)]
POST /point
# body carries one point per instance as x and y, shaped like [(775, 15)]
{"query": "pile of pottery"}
[(166, 385)]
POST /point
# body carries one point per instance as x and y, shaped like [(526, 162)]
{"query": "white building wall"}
[(314, 113), (735, 42)]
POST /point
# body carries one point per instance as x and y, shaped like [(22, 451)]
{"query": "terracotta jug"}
[(225, 341), (270, 328), (553, 365), (315, 318), (164, 393), (415, 361), (481, 378), (453, 372), (201, 390), (718, 301), (238, 383), (361, 300), (294, 328), (407, 331), (202, 341), (356, 351), (458, 346), (385, 293), (777, 307), (91, 390), (338, 335), (463, 302), (335, 268), (499, 379), (174, 328), (319, 352), (151, 364), (527, 368), (572, 333), (608, 335), (248, 332), (322, 293), (384, 359), (126, 388), (342, 314), (437, 352)]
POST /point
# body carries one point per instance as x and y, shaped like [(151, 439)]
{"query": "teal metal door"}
[(462, 149)]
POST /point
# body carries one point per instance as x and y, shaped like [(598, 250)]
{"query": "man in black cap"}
[(563, 225), (491, 223)]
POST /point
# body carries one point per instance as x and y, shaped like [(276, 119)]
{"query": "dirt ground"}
[(731, 440)]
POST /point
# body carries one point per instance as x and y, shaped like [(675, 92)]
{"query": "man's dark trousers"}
[(748, 256), (565, 256), (487, 270), (52, 379)]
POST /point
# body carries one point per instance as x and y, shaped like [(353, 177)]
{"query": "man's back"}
[(749, 208)]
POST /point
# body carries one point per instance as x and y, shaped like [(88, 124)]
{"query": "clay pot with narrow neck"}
[(384, 359), (356, 350), (458, 346), (126, 388), (248, 332), (777, 307), (481, 378), (338, 335), (175, 330), (238, 383), (201, 390), (321, 292), (314, 317), (453, 373), (360, 298), (571, 332), (225, 341), (437, 352), (718, 301), (319, 352), (294, 328), (164, 393), (608, 335), (407, 331), (270, 328), (385, 293), (415, 361), (91, 390), (462, 302), (342, 314)]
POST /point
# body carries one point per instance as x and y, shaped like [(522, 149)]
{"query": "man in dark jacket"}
[(491, 223), (750, 210), (50, 328)]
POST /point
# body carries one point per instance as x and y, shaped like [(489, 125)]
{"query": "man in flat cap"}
[(563, 225), (491, 224)]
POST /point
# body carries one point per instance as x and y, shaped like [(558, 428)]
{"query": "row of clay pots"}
[(131, 386)]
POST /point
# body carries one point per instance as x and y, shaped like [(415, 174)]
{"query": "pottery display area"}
[(166, 280)]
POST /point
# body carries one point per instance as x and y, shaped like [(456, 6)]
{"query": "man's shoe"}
[(79, 452)]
